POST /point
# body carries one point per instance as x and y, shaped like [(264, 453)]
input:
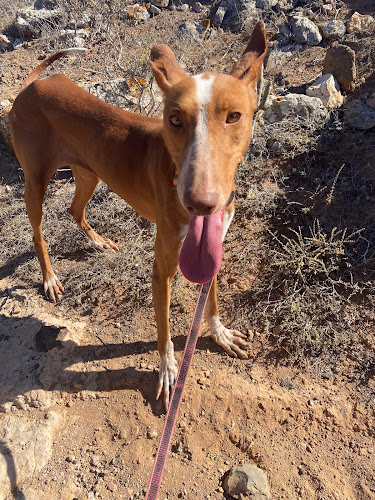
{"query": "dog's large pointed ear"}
[(248, 67), (166, 69)]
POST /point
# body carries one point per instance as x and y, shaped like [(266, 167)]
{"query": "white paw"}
[(167, 374), (232, 341), (53, 288)]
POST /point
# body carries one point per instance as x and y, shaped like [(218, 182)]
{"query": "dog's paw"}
[(53, 288), (167, 376), (104, 244), (232, 341)]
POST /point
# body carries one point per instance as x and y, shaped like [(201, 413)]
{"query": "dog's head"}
[(208, 122)]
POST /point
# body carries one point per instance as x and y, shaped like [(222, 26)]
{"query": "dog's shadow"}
[(34, 349)]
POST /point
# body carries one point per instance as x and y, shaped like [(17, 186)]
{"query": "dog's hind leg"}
[(232, 341), (34, 194), (86, 183)]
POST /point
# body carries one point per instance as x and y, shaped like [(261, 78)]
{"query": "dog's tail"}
[(47, 62)]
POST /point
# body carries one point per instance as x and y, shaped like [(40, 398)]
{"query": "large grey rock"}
[(304, 31), (233, 14), (189, 31), (340, 61), (30, 22), (25, 448), (247, 480), (299, 106), (359, 116), (333, 30), (240, 15)]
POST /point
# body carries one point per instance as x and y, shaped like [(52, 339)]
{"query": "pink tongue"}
[(201, 253)]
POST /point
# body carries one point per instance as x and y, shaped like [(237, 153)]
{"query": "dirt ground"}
[(79, 419)]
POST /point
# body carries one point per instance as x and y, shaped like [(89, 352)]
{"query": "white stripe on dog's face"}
[(200, 143), (204, 86)]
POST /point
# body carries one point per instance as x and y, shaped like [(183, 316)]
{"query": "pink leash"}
[(171, 416)]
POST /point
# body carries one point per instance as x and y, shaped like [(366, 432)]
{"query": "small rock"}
[(327, 373), (328, 90), (284, 382), (152, 434), (327, 8), (204, 382), (198, 7), (17, 43), (371, 101), (95, 460), (80, 23), (184, 7), (333, 30), (304, 31), (46, 4), (359, 116), (359, 22), (77, 41), (118, 325), (220, 14), (136, 13), (266, 4), (154, 10), (161, 3), (247, 480), (112, 487), (340, 61), (5, 43)]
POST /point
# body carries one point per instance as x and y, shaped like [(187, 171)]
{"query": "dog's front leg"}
[(164, 269)]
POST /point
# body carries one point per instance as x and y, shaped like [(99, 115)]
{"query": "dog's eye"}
[(176, 120), (233, 117)]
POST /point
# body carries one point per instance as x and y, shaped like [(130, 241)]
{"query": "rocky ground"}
[(78, 413)]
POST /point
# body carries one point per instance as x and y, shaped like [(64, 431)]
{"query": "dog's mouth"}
[(202, 250)]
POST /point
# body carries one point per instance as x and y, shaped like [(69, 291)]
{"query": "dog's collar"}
[(175, 180)]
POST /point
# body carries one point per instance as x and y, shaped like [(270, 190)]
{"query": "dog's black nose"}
[(201, 203)]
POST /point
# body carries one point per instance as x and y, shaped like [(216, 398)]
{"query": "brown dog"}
[(201, 140)]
